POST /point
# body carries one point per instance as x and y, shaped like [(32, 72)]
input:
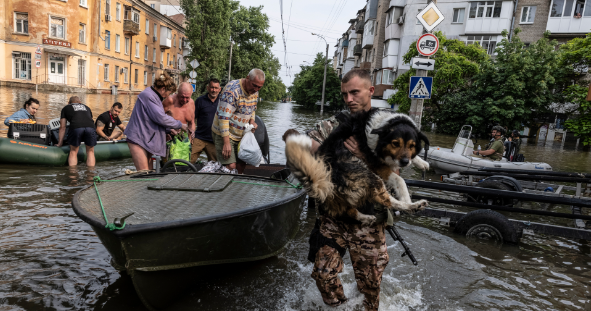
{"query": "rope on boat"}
[(298, 186), (111, 226)]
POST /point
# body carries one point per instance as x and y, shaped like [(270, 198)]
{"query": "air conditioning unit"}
[(401, 20), (107, 18), (155, 39)]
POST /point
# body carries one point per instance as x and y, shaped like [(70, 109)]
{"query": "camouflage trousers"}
[(369, 255)]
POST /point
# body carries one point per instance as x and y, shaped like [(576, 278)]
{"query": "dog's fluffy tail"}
[(310, 170)]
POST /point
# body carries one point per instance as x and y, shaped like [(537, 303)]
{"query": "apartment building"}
[(87, 45), (383, 30)]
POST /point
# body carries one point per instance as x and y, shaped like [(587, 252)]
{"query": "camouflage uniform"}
[(366, 244)]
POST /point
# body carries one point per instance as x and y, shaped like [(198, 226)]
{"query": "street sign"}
[(37, 56), (420, 87), (193, 85), (194, 63), (427, 44), (37, 63), (193, 74), (422, 63), (430, 17), (38, 50)]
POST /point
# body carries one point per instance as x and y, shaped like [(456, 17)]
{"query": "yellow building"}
[(96, 45)]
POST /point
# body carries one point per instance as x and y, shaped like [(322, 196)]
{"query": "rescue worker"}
[(496, 149), (332, 237)]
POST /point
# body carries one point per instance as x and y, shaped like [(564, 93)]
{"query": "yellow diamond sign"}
[(430, 17)]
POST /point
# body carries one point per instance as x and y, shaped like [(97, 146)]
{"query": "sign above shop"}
[(57, 42)]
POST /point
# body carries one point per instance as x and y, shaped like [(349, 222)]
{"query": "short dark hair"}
[(214, 80), (29, 102), (118, 105), (361, 73), (74, 100)]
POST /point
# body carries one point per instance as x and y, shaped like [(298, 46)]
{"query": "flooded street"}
[(52, 260)]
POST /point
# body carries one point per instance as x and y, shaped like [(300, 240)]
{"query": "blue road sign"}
[(193, 85), (420, 87)]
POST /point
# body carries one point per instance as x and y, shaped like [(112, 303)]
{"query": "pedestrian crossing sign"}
[(420, 87)]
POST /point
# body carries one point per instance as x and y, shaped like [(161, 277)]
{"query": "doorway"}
[(57, 70)]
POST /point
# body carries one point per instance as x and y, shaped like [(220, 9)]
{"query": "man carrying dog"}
[(366, 244)]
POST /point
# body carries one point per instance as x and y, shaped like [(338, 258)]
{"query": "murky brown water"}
[(51, 260)]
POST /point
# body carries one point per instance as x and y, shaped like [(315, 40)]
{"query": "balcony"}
[(359, 27), (131, 28), (345, 43), (357, 50), (165, 37)]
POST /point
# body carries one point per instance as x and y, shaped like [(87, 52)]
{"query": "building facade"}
[(87, 45)]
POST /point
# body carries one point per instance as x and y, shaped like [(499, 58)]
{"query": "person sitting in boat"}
[(516, 140), (205, 108), (237, 107), (495, 150), (105, 123), (26, 113), (146, 129), (81, 130)]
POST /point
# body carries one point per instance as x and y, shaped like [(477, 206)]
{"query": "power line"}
[(310, 28)]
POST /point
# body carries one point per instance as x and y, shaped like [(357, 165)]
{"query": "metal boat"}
[(184, 220), (460, 159)]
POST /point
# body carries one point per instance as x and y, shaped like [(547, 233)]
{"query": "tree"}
[(576, 55), (252, 49), (307, 86), (456, 65), (208, 33)]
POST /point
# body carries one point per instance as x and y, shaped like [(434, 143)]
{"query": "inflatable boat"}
[(460, 159)]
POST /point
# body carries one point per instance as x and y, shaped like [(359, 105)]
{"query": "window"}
[(161, 57), (369, 28), (81, 72), (588, 9), (458, 16), (136, 76), (482, 9), (116, 73), (22, 66), (127, 46), (147, 26), (108, 7), (131, 14), (154, 55), (106, 72), (155, 32), (107, 40), (125, 75), (388, 77), (57, 27), (168, 33), (21, 22), (395, 15), (489, 43), (556, 8), (368, 56), (378, 78), (83, 3), (82, 33), (145, 78), (386, 48), (136, 16), (117, 43), (153, 6), (137, 49), (527, 14), (118, 11), (579, 6), (145, 52), (174, 41), (167, 59)]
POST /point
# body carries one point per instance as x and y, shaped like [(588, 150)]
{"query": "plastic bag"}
[(216, 167), (248, 149), (180, 148)]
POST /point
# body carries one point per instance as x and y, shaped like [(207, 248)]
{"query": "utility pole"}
[(324, 80), (416, 105)]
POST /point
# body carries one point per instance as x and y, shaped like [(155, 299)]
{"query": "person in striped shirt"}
[(236, 108)]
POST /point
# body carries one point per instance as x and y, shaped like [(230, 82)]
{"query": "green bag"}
[(180, 148)]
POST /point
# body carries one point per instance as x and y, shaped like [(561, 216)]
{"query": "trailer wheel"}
[(183, 168), (490, 200), (488, 225)]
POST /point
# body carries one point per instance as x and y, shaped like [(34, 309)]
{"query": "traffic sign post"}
[(194, 87), (430, 17), (422, 63), (428, 44), (420, 87)]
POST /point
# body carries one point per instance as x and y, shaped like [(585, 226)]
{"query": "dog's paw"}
[(419, 205), (420, 163)]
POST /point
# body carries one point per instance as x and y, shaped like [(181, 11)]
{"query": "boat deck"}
[(177, 197)]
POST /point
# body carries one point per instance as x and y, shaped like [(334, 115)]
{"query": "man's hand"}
[(253, 124), (174, 132), (192, 135), (185, 128), (59, 144), (226, 150), (351, 145)]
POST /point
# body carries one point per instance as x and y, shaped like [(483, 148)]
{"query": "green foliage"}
[(580, 124), (307, 86)]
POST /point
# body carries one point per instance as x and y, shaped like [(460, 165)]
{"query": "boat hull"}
[(14, 151), (443, 161)]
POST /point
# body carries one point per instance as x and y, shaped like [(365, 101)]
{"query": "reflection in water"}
[(50, 259)]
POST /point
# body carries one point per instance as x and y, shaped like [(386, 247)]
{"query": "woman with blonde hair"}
[(146, 130)]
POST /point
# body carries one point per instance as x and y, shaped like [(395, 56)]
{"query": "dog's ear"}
[(381, 131), (423, 137)]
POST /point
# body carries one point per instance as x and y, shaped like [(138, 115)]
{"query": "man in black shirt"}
[(81, 130), (105, 123), (205, 108)]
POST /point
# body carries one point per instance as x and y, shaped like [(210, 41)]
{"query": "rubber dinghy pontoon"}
[(183, 221), (460, 159), (13, 151)]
